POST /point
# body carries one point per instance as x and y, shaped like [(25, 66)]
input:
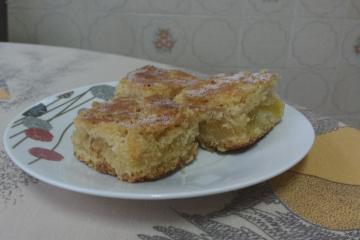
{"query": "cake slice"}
[(150, 81), (236, 110), (136, 140)]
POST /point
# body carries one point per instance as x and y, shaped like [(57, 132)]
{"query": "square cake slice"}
[(136, 140), (149, 81), (236, 110)]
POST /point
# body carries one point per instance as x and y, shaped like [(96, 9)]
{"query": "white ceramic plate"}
[(38, 141)]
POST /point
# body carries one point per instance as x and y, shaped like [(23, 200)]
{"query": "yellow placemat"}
[(325, 187), (335, 156), (331, 205), (4, 90)]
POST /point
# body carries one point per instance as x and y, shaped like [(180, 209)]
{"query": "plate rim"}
[(146, 196)]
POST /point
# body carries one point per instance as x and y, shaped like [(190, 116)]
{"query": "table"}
[(317, 199)]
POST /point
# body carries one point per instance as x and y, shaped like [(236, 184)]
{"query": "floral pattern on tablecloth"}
[(321, 124), (13, 179), (270, 219)]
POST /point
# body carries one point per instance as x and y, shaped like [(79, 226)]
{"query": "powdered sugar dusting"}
[(247, 77), (145, 72), (164, 102), (220, 75), (258, 77), (221, 80), (234, 77), (155, 119), (144, 121), (183, 82), (204, 90)]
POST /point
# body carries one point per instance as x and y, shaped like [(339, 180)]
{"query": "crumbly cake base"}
[(225, 146), (156, 172), (239, 137)]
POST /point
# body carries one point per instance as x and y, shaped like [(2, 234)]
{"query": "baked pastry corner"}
[(236, 110), (136, 140)]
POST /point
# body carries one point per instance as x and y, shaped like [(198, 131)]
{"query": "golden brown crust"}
[(150, 80), (153, 75), (222, 90), (127, 112)]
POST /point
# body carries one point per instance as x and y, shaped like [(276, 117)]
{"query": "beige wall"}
[(312, 43)]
